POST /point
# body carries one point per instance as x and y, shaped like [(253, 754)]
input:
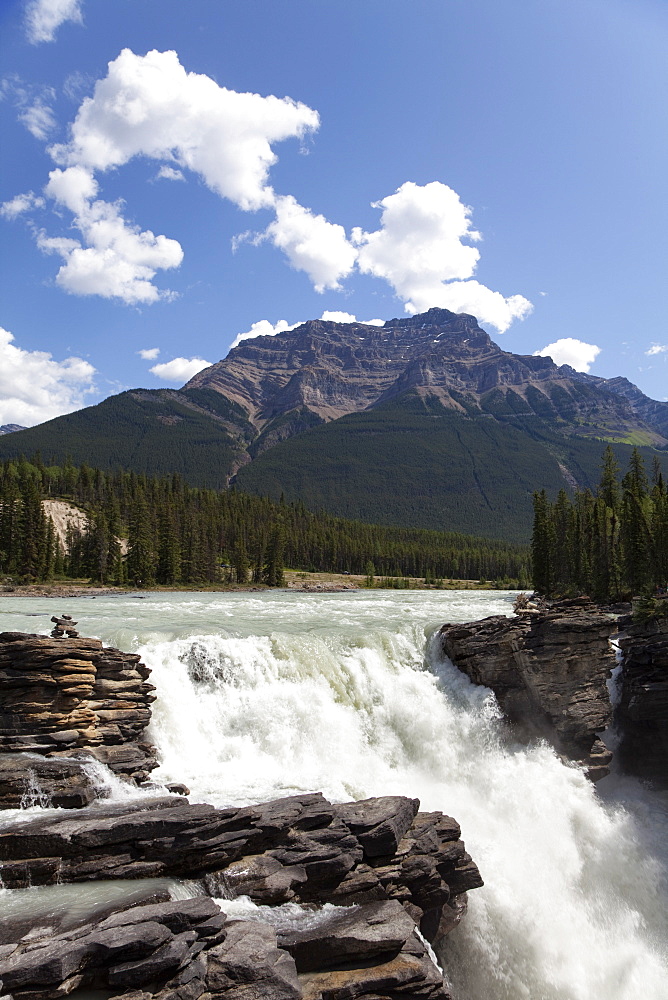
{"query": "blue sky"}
[(174, 173)]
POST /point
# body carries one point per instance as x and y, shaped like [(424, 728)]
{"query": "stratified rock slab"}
[(61, 695), (292, 849)]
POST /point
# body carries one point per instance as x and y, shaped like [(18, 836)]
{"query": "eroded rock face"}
[(548, 670), (294, 849), (190, 949), (301, 849), (63, 695), (642, 714)]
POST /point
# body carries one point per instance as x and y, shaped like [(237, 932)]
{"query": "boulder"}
[(28, 779)]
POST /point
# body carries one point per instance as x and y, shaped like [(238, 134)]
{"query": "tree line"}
[(142, 531), (610, 544)]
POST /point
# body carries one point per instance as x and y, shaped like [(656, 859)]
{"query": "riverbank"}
[(294, 580)]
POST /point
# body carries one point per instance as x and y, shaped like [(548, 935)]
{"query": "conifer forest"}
[(143, 531), (611, 544)]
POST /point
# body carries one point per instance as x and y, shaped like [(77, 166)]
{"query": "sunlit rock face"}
[(60, 696), (332, 369), (549, 669)]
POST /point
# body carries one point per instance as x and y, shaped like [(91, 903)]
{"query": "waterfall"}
[(264, 695)]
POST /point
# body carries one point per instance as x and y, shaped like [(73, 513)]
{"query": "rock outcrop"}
[(59, 696), (190, 949), (301, 848), (642, 713), (390, 869), (548, 669)]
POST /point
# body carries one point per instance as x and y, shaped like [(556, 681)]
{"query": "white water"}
[(262, 695)]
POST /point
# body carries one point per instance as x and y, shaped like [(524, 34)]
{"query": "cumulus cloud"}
[(149, 353), (34, 387), (657, 349), (150, 106), (334, 316), (311, 243), (179, 370), (263, 328), (21, 204), (44, 17), (115, 259), (420, 251), (569, 351)]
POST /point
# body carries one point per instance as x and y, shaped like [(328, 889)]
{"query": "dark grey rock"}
[(248, 965), (379, 824), (348, 934), (28, 779), (548, 668)]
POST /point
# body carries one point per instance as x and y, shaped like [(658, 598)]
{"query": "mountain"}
[(423, 422), (10, 428)]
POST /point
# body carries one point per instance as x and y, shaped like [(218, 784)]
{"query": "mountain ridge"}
[(423, 422)]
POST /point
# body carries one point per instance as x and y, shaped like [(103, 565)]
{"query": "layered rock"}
[(390, 869), (301, 848), (63, 695), (642, 713), (548, 669), (190, 949)]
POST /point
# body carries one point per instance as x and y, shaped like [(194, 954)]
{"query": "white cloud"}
[(179, 370), (150, 106), (38, 118), (34, 387), (170, 174), (44, 17), (419, 250), (311, 243), (149, 353), (569, 351), (116, 259), (264, 328), (20, 204), (657, 349)]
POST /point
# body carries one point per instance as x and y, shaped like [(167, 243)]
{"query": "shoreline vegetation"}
[(63, 524), (294, 580)]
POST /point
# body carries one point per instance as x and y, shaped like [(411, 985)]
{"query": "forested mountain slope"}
[(424, 422)]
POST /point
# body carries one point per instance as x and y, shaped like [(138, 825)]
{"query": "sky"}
[(176, 175)]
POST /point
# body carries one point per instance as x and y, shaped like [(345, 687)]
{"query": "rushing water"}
[(267, 694)]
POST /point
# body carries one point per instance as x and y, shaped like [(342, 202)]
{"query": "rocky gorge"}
[(365, 882), (146, 894)]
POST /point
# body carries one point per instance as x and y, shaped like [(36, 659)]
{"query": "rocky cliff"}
[(642, 712), (59, 696), (548, 669)]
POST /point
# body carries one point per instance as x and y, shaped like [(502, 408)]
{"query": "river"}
[(266, 694)]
